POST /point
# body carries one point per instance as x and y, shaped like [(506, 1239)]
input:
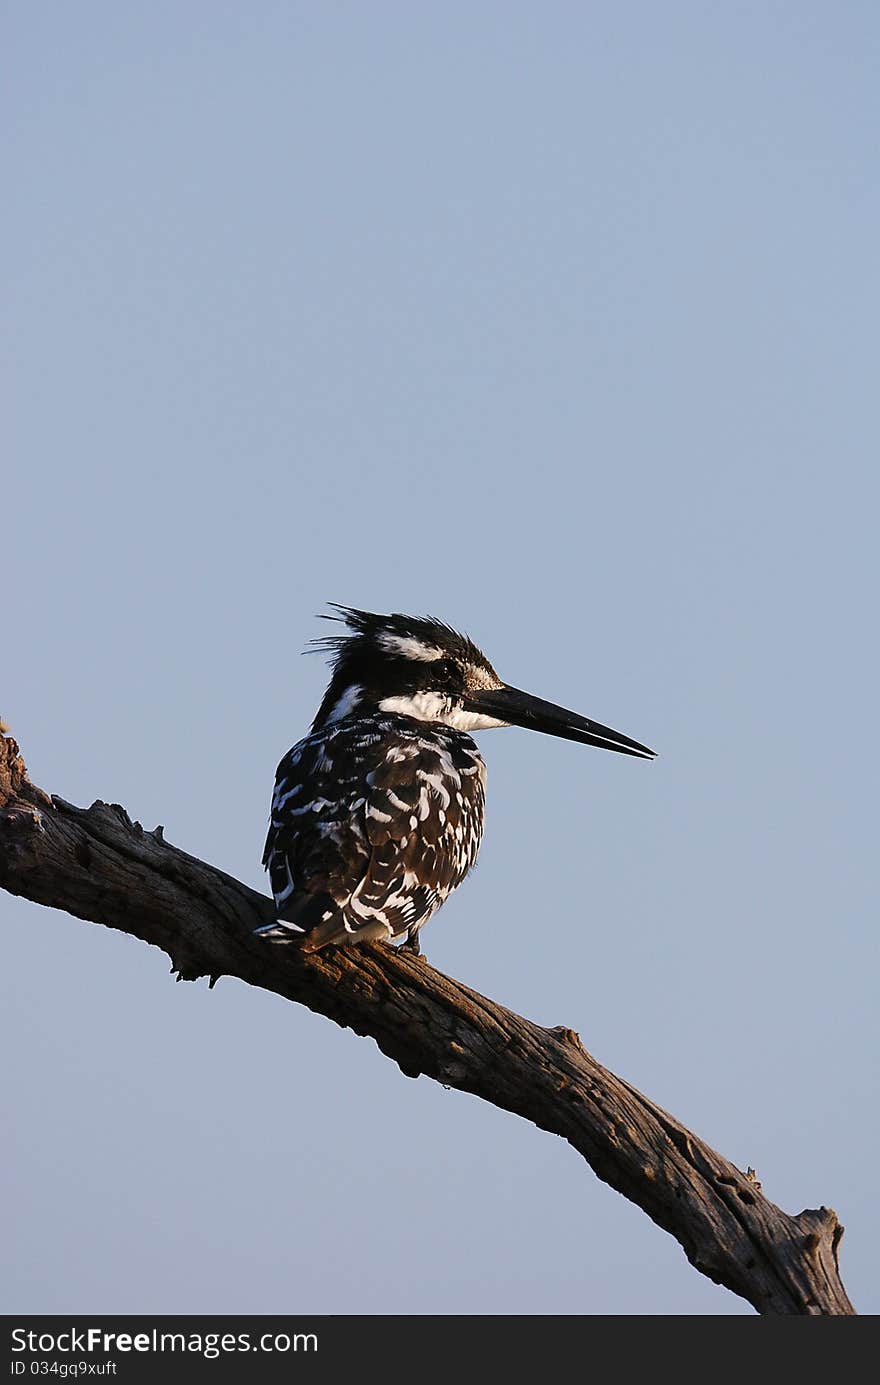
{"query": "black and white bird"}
[(377, 814)]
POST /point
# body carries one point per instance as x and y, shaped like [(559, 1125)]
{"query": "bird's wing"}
[(417, 814), (371, 831), (316, 849)]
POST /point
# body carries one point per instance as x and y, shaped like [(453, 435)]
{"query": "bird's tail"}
[(332, 930), (312, 920), (327, 931), (279, 932)]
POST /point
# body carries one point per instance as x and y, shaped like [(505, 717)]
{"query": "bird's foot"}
[(413, 947)]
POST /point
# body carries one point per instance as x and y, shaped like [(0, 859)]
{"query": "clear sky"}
[(558, 321)]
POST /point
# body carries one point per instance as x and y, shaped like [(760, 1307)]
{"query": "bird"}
[(377, 814)]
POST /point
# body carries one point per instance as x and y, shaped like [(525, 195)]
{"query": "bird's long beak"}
[(521, 709)]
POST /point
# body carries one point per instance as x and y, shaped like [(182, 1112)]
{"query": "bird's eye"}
[(446, 672)]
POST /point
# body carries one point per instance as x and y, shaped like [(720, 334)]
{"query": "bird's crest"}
[(420, 638)]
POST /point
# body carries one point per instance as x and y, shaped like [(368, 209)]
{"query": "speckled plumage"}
[(375, 821)]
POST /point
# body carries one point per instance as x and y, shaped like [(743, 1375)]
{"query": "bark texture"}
[(97, 864)]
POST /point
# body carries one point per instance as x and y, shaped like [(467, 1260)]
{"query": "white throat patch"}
[(433, 706)]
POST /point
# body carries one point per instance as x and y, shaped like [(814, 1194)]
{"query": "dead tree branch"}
[(97, 864)]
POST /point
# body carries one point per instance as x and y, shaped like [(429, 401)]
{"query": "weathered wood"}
[(97, 864)]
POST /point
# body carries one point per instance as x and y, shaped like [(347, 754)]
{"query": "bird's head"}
[(421, 668)]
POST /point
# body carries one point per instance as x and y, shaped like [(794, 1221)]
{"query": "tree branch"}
[(99, 865)]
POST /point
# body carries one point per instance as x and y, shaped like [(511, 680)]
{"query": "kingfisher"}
[(377, 813)]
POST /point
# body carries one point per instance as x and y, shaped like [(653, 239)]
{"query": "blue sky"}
[(559, 322)]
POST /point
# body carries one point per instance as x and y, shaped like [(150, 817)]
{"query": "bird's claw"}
[(413, 947)]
